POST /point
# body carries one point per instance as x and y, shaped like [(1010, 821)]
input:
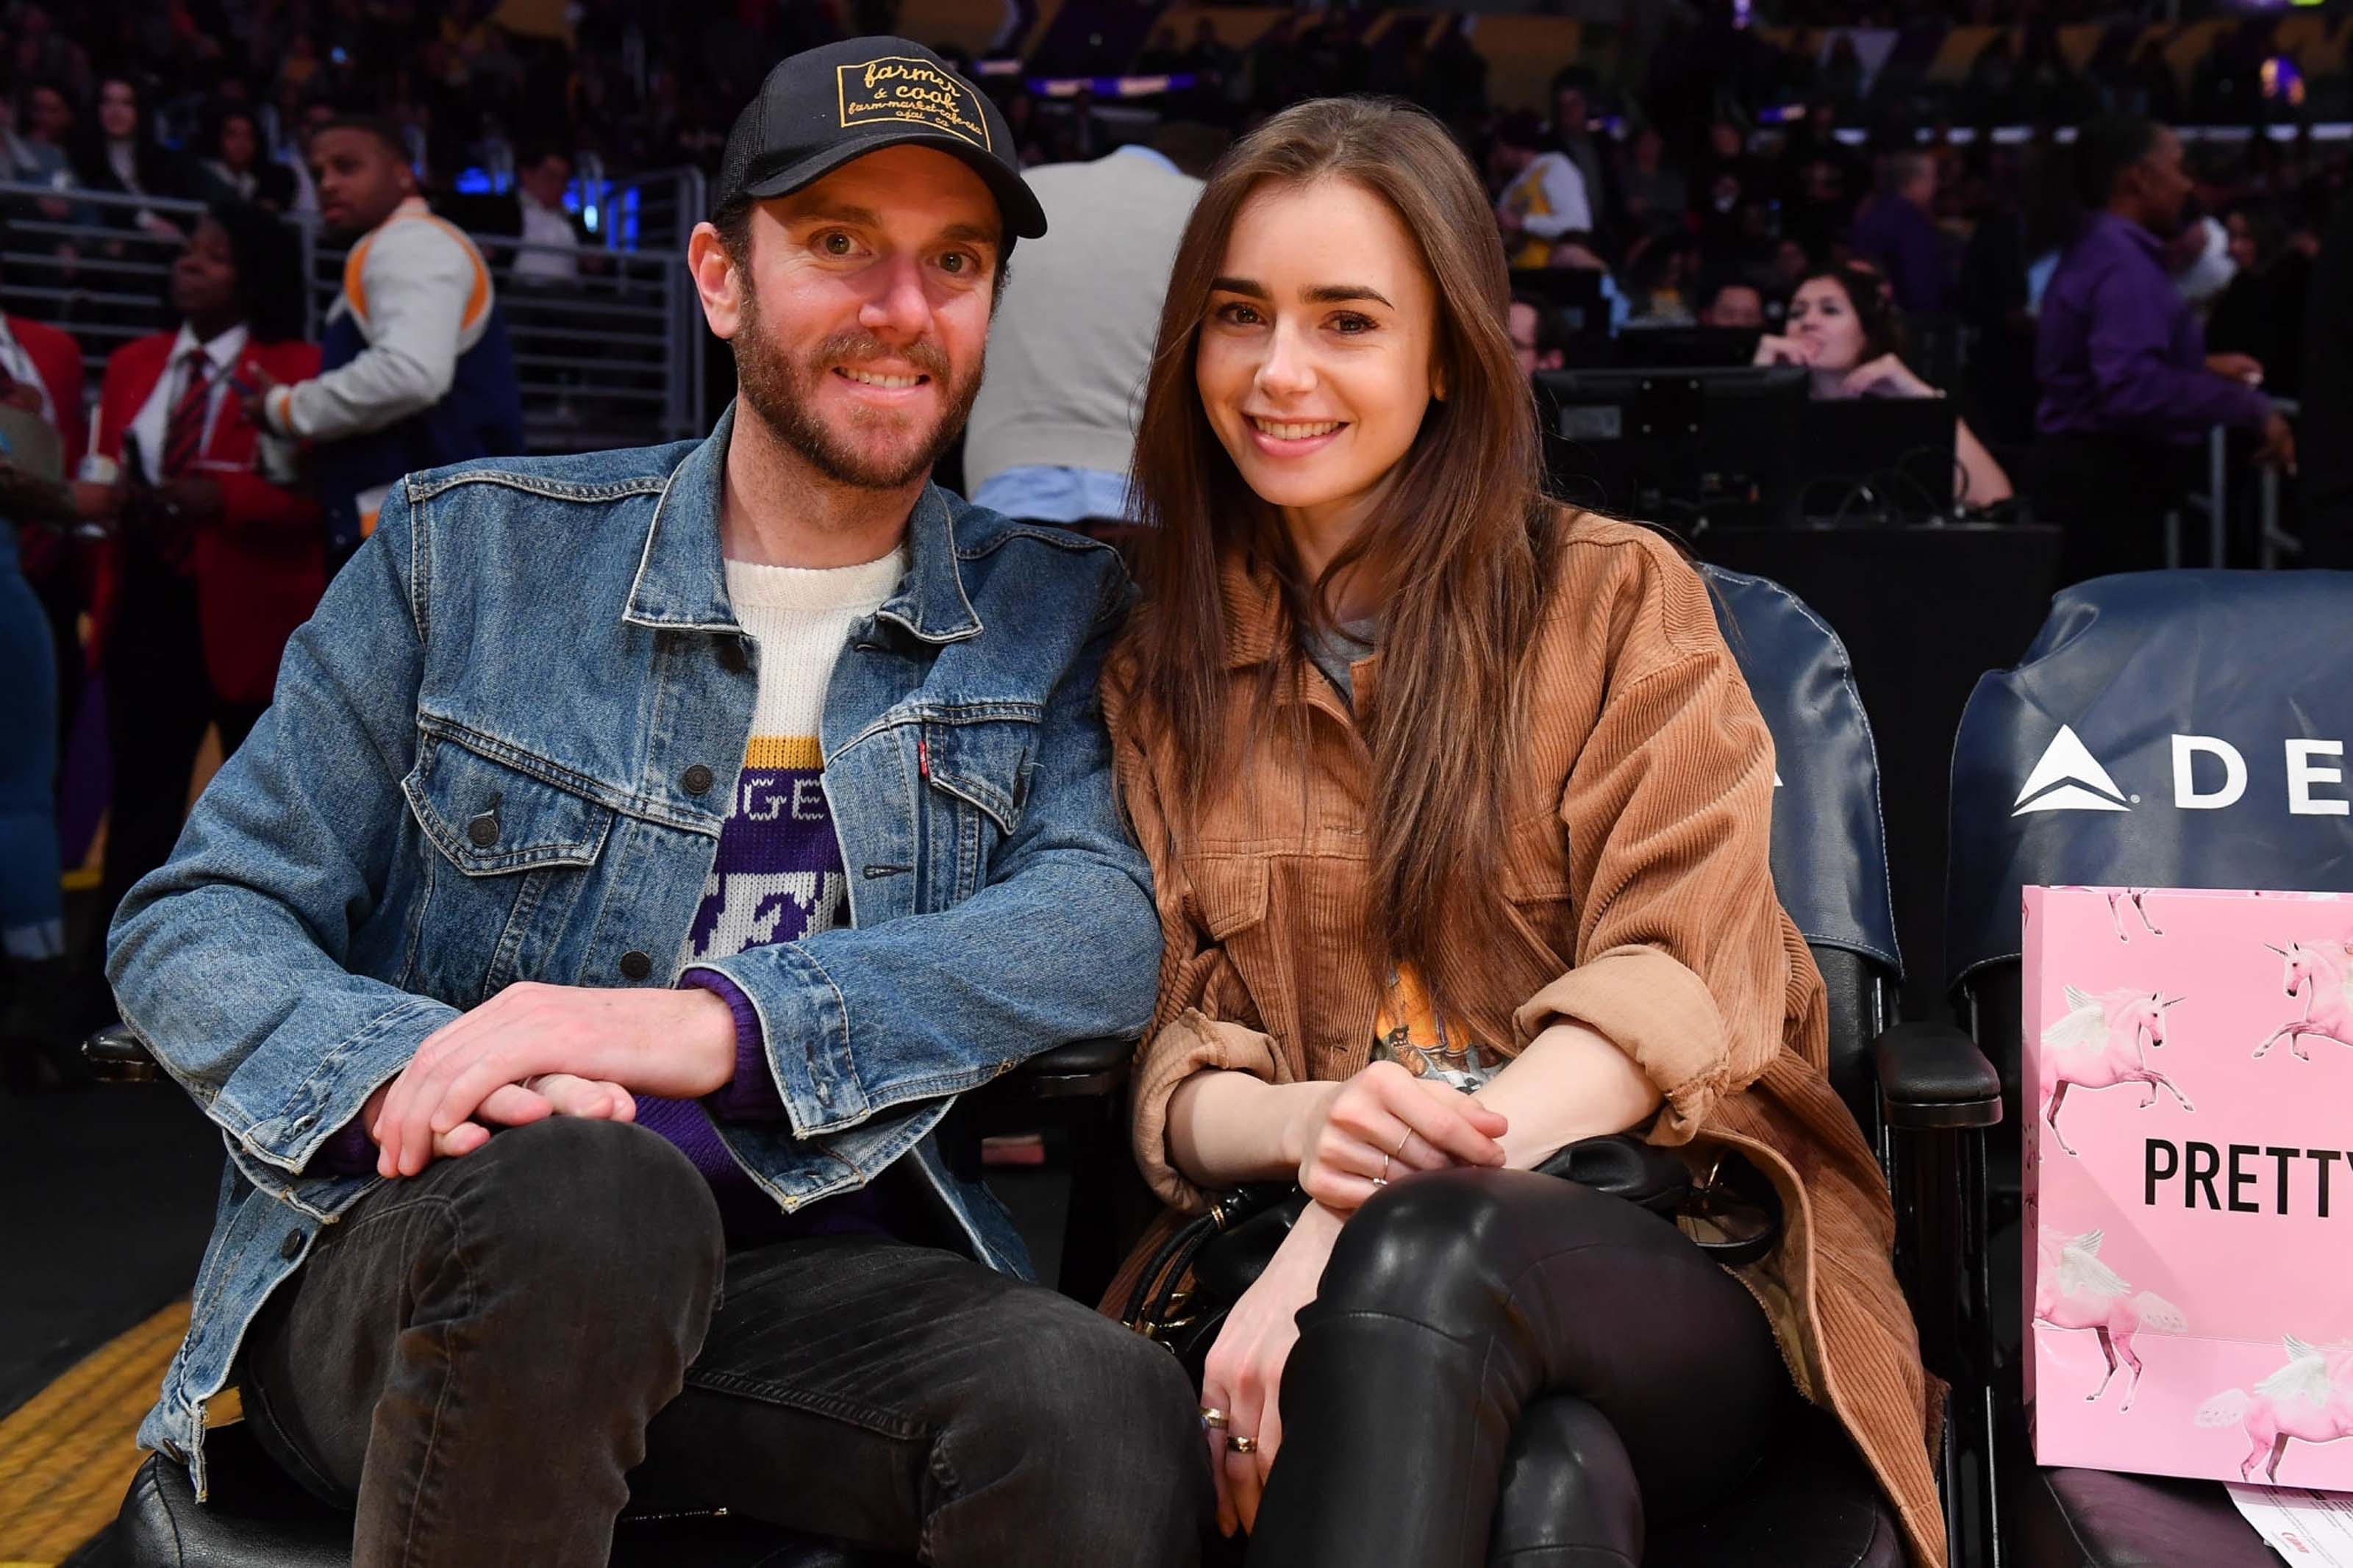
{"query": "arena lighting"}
[(1110, 86)]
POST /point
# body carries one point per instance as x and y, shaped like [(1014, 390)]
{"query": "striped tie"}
[(185, 436)]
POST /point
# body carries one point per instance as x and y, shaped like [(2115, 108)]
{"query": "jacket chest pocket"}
[(509, 853), (1536, 890), (978, 772)]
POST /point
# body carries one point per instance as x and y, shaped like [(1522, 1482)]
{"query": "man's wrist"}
[(710, 1035)]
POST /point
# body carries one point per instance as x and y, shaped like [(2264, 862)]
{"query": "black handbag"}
[(1182, 1296)]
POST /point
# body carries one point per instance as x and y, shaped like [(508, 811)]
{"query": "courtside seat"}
[(2071, 770), (1921, 1093)]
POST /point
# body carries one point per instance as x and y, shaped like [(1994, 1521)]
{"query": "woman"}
[(119, 158), (219, 555), (1841, 326), (234, 169), (1437, 775)]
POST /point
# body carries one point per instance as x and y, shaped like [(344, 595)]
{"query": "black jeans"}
[(487, 1362), (2110, 495), (1503, 1367)]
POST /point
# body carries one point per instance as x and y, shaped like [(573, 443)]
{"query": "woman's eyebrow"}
[(1322, 294)]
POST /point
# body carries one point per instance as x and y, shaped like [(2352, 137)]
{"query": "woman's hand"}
[(1243, 1376), (1772, 350), (1383, 1121), (1885, 376)]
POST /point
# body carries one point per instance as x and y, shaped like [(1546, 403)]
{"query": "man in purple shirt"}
[(2128, 390), (1898, 231)]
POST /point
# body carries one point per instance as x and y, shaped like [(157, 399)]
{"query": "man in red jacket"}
[(218, 556)]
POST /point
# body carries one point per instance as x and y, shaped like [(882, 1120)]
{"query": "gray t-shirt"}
[(1333, 650)]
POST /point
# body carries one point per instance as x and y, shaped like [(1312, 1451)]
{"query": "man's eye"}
[(835, 244), (954, 261)]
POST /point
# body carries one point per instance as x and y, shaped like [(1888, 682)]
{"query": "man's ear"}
[(717, 280)]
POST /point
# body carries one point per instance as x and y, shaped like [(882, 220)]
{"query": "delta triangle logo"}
[(2069, 778)]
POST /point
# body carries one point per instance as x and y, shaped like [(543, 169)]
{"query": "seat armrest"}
[(119, 1055), (1933, 1076), (1081, 1067)]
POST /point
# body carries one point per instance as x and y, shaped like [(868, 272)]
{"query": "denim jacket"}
[(474, 773)]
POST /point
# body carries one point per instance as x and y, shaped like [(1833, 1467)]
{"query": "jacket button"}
[(635, 965), (482, 831), (696, 780), (291, 1248), (731, 655)]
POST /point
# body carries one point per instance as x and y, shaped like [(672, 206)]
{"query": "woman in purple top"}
[(2128, 389)]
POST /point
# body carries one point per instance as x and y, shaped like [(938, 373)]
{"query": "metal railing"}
[(2272, 542), (611, 354)]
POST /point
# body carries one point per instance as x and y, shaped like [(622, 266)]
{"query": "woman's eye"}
[(1351, 324), (1240, 315)]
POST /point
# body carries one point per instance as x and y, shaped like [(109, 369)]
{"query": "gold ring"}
[(1242, 1445), (1213, 1416)]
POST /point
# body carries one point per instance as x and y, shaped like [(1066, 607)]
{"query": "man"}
[(1546, 196), (2129, 393), (550, 258), (1540, 334), (1898, 231), (1572, 129), (1731, 303), (1054, 424), (750, 789), (416, 369)]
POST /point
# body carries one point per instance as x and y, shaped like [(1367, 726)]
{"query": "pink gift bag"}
[(2188, 1089)]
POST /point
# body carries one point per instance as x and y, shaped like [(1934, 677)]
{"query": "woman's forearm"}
[(1985, 480), (1570, 1083), (1226, 1127)]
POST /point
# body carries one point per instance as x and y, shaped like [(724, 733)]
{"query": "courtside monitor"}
[(1684, 448)]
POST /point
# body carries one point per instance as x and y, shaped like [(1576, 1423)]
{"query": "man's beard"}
[(783, 395)]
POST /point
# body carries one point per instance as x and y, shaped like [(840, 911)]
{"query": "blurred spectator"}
[(2127, 388), (1545, 196), (551, 259), (2327, 419), (1571, 131), (295, 157), (1053, 426), (1730, 302), (1655, 194), (26, 161), (416, 369), (234, 170), (218, 556), (2260, 312), (49, 119), (1843, 329), (120, 156), (1898, 231), (1540, 334), (41, 375)]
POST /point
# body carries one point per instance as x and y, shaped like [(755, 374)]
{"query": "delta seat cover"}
[(2166, 729), (1829, 847)]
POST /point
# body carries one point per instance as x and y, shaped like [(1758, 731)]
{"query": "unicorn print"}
[(2073, 1289), (2097, 1045), (2317, 972), (2134, 897), (2310, 1399)]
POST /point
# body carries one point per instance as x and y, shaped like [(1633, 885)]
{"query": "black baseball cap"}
[(823, 107)]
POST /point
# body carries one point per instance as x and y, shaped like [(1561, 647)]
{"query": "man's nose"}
[(898, 308)]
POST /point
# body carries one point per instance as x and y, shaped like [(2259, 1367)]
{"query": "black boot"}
[(37, 1053)]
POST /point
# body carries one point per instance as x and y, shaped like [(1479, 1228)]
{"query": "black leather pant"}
[(1503, 1367)]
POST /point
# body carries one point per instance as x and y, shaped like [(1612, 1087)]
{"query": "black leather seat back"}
[(2166, 729), (1829, 845)]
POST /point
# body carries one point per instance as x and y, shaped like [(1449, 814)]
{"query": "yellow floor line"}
[(67, 1453)]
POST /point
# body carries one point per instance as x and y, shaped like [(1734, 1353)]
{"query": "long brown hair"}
[(1463, 541)]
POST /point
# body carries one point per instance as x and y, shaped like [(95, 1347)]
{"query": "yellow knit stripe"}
[(67, 1453), (801, 751)]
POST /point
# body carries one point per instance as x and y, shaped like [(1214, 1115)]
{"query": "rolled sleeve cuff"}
[(803, 1024), (327, 1102), (1659, 1012), (752, 1095), (1191, 1043), (278, 410)]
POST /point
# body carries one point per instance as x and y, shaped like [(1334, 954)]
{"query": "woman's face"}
[(1822, 322), (203, 278), (1316, 358), (2242, 241), (118, 110)]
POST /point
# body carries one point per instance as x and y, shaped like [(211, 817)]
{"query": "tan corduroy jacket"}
[(1643, 905)]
